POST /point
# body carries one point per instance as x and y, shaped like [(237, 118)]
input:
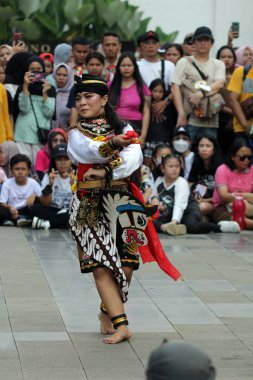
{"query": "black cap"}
[(151, 34), (140, 39), (203, 31), (60, 151), (180, 130), (188, 39), (164, 47)]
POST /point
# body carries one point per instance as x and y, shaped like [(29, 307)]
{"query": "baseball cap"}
[(181, 130), (203, 31), (164, 47), (151, 34), (47, 56), (188, 39), (60, 151)]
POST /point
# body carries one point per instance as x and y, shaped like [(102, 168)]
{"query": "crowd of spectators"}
[(193, 114)]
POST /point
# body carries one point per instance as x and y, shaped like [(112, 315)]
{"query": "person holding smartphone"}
[(35, 103)]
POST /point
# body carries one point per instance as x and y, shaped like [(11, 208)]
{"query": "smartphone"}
[(38, 77), (200, 190), (17, 38), (235, 27)]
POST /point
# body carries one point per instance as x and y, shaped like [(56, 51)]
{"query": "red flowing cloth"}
[(153, 251)]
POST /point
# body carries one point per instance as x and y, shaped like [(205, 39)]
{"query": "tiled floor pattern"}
[(48, 323)]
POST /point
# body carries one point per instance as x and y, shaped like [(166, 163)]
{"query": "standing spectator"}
[(173, 53), (130, 95), (63, 54), (111, 46), (6, 131), (56, 136), (15, 71), (151, 67), (36, 106), (225, 132), (80, 49), (192, 70), (48, 59), (64, 82), (158, 132), (95, 63), (241, 89), (188, 46), (5, 54), (236, 175), (244, 55)]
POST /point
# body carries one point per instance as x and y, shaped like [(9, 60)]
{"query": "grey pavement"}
[(48, 310)]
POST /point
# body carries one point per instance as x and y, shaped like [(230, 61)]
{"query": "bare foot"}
[(106, 326), (122, 333)]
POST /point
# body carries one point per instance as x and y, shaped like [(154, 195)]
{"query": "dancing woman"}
[(106, 156)]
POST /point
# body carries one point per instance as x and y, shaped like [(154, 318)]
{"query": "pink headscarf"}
[(239, 54)]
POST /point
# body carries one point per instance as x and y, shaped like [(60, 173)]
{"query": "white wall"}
[(186, 15)]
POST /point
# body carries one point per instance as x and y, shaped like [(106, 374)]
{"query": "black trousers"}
[(5, 213), (191, 219), (51, 214)]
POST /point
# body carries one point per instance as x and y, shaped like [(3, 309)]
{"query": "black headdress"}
[(90, 83)]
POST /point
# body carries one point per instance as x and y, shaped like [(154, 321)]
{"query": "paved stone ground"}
[(48, 324)]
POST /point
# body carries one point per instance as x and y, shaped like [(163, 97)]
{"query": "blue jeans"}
[(195, 132)]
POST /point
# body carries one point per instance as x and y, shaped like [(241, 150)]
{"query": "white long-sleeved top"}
[(179, 191), (82, 149)]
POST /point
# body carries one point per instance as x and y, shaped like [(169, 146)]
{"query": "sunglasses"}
[(244, 158)]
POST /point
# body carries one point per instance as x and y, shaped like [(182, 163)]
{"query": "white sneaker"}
[(40, 224), (229, 226)]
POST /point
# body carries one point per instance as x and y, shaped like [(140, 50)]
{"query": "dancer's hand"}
[(94, 174)]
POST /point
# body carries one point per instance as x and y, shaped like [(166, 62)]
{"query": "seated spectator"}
[(182, 144), (18, 193), (236, 175), (244, 55), (56, 136), (173, 53), (95, 63), (64, 82), (206, 160), (56, 193), (7, 150), (160, 151), (179, 361), (158, 130), (180, 212), (35, 101)]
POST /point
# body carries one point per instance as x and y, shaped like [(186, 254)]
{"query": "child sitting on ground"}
[(178, 206), (18, 193), (56, 193)]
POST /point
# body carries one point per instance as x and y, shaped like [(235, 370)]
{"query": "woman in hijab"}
[(244, 55), (36, 106), (64, 82), (7, 150)]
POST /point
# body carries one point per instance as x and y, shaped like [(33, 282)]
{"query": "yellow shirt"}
[(244, 88), (6, 132)]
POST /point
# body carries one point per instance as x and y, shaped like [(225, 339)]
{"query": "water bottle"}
[(238, 211)]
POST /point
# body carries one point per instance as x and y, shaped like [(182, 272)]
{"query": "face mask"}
[(181, 146)]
